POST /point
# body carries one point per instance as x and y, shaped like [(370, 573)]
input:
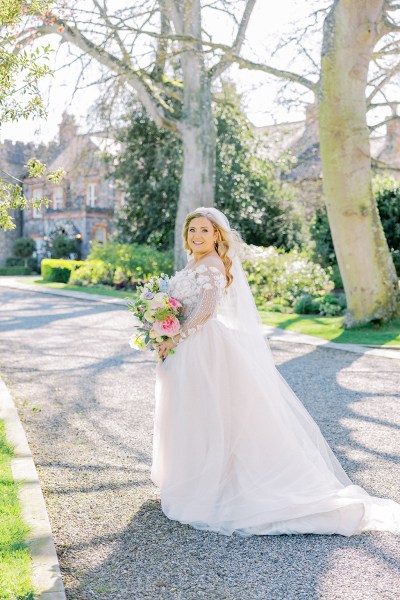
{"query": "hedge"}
[(53, 269), (15, 271)]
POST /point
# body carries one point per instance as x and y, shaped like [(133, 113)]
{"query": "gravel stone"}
[(86, 402)]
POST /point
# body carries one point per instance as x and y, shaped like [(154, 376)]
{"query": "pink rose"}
[(170, 326), (174, 303)]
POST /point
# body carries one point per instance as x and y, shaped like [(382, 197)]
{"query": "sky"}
[(269, 21)]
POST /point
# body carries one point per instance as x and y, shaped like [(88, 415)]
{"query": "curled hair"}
[(224, 242)]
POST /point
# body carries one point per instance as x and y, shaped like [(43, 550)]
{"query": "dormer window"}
[(91, 194)]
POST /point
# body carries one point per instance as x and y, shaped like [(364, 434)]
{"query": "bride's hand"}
[(165, 347)]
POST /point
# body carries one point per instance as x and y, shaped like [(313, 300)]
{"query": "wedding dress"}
[(234, 449)]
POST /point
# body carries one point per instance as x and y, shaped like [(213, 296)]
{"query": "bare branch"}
[(132, 77), (384, 122), (224, 62), (281, 73)]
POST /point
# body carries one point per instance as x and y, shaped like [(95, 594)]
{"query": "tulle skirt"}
[(234, 449)]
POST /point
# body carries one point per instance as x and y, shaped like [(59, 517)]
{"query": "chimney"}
[(68, 129)]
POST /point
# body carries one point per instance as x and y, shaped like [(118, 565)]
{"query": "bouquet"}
[(159, 314)]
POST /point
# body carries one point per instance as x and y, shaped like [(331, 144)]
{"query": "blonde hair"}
[(223, 242)]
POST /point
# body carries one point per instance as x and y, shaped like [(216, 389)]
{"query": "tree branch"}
[(224, 62), (281, 73), (128, 74)]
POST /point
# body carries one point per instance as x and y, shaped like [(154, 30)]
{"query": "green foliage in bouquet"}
[(279, 279)]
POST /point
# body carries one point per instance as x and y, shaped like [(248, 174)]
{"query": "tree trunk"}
[(197, 130), (351, 31), (197, 183)]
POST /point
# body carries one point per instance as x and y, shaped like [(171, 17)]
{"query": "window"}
[(91, 194), (37, 194), (58, 198), (100, 235)]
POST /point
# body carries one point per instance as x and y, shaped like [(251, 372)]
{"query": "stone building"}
[(83, 203)]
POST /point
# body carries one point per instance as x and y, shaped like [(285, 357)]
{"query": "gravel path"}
[(86, 401)]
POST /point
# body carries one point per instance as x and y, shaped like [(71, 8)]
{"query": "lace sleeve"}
[(211, 283)]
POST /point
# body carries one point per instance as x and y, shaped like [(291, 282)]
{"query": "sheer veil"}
[(239, 313)]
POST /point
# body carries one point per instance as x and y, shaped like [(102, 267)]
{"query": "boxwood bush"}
[(278, 279), (53, 269)]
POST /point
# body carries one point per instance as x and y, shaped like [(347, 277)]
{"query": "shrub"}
[(93, 272), (15, 271), (62, 246), (306, 305), (14, 261), (53, 269), (328, 305), (23, 248), (131, 262), (278, 277)]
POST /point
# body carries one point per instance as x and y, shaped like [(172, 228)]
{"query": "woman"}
[(234, 448)]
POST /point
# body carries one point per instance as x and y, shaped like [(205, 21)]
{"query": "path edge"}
[(46, 574)]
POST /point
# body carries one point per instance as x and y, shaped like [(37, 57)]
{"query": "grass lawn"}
[(15, 565), (94, 289), (331, 328)]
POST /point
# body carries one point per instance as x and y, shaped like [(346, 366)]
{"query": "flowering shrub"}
[(280, 278)]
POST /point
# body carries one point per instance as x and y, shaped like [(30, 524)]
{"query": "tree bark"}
[(351, 31), (197, 130)]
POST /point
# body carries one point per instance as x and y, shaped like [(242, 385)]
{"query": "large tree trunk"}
[(197, 130), (351, 31), (197, 183)]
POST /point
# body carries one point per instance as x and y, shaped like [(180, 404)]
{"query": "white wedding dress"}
[(234, 449)]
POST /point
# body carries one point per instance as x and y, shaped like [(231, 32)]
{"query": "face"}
[(201, 236)]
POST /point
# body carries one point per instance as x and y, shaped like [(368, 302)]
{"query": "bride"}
[(234, 449)]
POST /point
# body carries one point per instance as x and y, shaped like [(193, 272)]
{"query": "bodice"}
[(189, 284)]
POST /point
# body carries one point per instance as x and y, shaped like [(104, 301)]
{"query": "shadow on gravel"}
[(56, 310), (345, 415), (158, 558)]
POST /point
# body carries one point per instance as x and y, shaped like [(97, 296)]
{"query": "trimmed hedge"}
[(15, 271), (53, 269)]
